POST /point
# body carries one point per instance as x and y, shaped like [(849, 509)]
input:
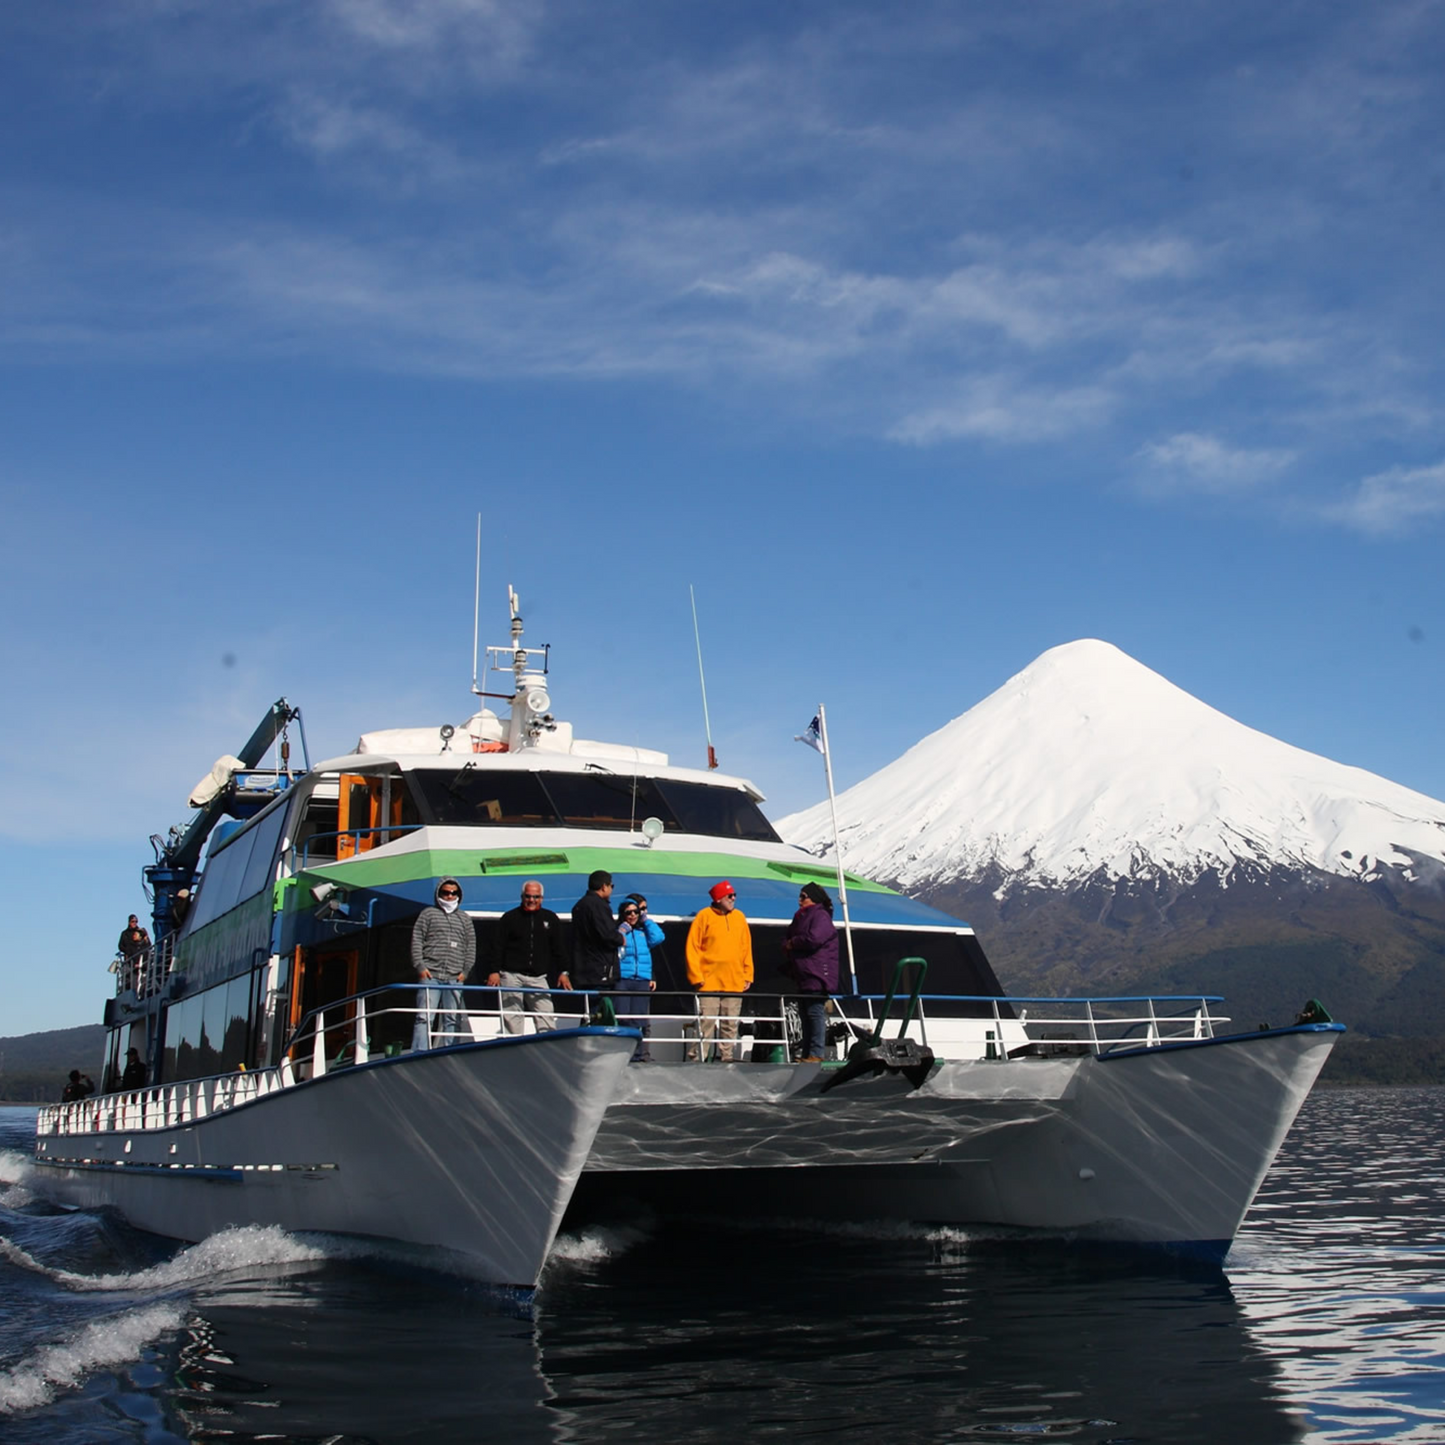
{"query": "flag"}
[(813, 735)]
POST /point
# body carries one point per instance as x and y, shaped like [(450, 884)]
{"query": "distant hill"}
[(34, 1067), (1107, 833)]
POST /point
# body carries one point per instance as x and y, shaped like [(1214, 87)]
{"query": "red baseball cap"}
[(719, 891)]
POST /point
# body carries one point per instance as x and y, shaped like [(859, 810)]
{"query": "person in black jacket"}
[(529, 947), (134, 1076), (596, 937), (134, 944)]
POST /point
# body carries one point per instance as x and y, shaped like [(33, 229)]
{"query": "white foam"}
[(224, 1253), (35, 1381), (594, 1245), (879, 1229), (15, 1168)]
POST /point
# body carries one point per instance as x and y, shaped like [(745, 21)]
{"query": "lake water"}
[(1327, 1323)]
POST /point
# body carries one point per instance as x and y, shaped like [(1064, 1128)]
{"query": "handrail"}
[(912, 1008), (357, 834), (339, 1033)]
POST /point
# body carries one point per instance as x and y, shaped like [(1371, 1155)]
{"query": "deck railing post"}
[(359, 1053)]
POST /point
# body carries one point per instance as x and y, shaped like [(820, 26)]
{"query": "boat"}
[(276, 1011)]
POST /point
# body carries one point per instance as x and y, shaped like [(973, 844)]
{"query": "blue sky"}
[(917, 339)]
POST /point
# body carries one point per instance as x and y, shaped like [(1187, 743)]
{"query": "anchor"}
[(876, 1055)]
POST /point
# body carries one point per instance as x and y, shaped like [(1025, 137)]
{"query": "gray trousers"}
[(539, 1005)]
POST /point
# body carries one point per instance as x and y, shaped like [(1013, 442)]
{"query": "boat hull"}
[(1158, 1146), (473, 1150)]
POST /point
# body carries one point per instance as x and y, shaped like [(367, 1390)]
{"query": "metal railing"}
[(356, 835), (354, 1030), (144, 973)]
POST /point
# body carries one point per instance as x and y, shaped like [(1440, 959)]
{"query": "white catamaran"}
[(276, 1014)]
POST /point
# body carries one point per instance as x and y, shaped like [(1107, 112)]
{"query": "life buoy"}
[(478, 746)]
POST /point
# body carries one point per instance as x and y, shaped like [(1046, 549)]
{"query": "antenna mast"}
[(697, 638), (477, 606)]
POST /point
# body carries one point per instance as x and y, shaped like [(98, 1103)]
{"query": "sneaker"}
[(810, 1059)]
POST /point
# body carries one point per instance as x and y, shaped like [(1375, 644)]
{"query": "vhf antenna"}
[(477, 606), (697, 638)]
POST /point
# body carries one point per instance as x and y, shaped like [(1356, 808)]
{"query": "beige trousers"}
[(719, 1019)]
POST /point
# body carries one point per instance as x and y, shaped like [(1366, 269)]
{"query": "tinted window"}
[(261, 869), (607, 800), (474, 797), (716, 812), (478, 797)]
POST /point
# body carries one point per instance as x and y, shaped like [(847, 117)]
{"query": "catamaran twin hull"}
[(1164, 1145), (473, 1150)]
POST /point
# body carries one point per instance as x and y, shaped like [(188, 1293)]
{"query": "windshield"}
[(485, 797)]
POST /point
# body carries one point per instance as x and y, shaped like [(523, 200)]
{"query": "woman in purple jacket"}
[(811, 944)]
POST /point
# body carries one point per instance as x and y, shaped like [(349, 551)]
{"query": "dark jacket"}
[(595, 941), (812, 947), (530, 942), (133, 941), (445, 944), (134, 1076)]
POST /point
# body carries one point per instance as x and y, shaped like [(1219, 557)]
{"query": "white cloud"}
[(1191, 461), (1007, 409), (1389, 501)]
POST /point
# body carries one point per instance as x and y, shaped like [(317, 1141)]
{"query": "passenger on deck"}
[(443, 949), (134, 943), (811, 944), (134, 1076), (79, 1087), (720, 967), (596, 938), (529, 947), (635, 974)]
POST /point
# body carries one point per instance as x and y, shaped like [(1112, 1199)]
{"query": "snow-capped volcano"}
[(1089, 766)]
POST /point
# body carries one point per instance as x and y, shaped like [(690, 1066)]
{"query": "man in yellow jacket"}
[(720, 966)]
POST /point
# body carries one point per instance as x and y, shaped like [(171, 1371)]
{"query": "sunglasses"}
[(449, 893), (629, 913)]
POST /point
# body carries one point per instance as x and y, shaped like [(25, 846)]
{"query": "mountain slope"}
[(1107, 833), (1088, 766)]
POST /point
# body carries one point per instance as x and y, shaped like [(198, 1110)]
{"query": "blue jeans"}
[(437, 993), (632, 1005), (815, 1024)]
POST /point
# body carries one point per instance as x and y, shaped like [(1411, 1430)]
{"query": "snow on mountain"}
[(1088, 765)]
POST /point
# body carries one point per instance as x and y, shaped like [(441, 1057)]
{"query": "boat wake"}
[(15, 1170), (596, 1244), (116, 1340), (229, 1252)]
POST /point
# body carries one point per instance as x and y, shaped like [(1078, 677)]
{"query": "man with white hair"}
[(529, 948)]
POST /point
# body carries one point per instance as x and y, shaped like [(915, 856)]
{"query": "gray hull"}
[(1164, 1146), (473, 1150)]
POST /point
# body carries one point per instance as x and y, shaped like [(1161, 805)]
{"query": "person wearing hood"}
[(811, 944), (636, 980), (443, 949)]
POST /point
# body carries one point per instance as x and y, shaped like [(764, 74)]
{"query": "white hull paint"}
[(1162, 1146), (474, 1150)]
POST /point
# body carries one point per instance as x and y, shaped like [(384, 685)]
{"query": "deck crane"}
[(178, 857)]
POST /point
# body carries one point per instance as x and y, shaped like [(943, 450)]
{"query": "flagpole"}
[(837, 847)]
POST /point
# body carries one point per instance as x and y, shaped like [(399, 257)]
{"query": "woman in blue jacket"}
[(640, 935)]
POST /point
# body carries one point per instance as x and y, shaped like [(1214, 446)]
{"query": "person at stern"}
[(443, 949)]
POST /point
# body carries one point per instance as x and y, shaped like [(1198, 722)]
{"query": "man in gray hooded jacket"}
[(443, 949)]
